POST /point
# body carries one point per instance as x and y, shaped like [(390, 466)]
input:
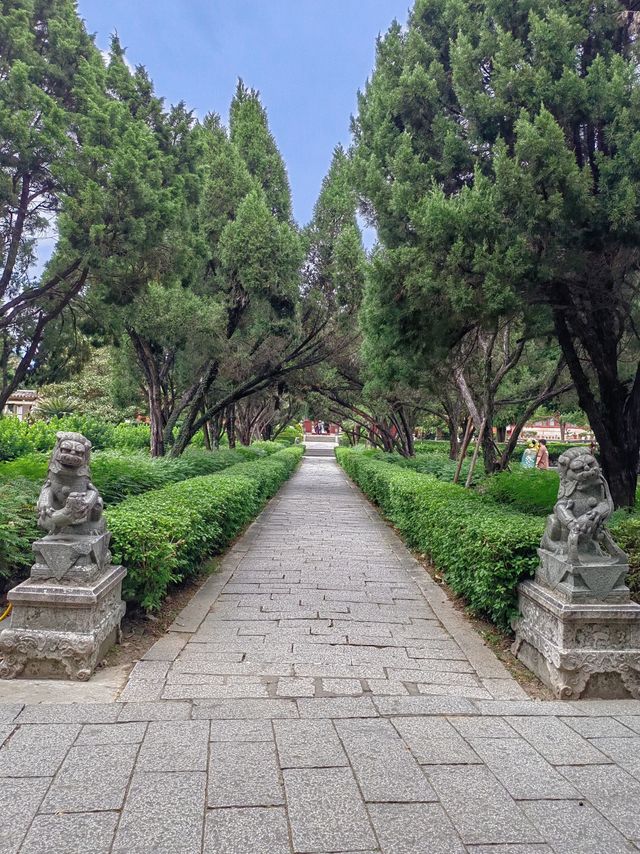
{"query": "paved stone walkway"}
[(319, 695)]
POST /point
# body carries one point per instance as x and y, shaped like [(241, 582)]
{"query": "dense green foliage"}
[(494, 153), (18, 438), (18, 528), (528, 490), (163, 536)]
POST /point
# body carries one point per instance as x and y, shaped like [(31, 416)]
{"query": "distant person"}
[(542, 457), (530, 455)]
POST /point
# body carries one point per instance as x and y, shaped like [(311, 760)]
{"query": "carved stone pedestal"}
[(60, 629), (578, 649), (67, 614)]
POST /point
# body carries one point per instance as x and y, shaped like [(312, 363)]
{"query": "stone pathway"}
[(320, 695)]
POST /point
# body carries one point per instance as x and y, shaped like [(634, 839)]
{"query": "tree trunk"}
[(207, 436), (621, 478), (501, 434), (454, 443), (614, 416), (157, 423), (231, 426), (563, 431)]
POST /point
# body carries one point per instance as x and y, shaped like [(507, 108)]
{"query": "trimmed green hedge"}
[(163, 536), (116, 476), (483, 546)]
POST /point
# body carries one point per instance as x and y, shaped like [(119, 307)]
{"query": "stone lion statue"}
[(68, 500), (576, 528)]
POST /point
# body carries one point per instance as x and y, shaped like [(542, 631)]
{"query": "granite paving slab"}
[(320, 695)]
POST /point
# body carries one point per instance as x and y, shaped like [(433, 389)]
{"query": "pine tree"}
[(495, 154), (252, 139)]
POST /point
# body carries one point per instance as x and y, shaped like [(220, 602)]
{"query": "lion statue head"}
[(71, 455), (578, 470)]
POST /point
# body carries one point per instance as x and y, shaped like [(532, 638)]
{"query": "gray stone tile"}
[(504, 689), (91, 778), (19, 802), (337, 707), (163, 814), (631, 721), (71, 834), (246, 830), (175, 746), (239, 730), (479, 727), (480, 808), (9, 712), (414, 829), (575, 826), (168, 647), (160, 711), (295, 687), (131, 733), (244, 775), (326, 812), (509, 849), (530, 708), (5, 732), (599, 727), (424, 706), (612, 792), (624, 751), (472, 692), (339, 671), (523, 772), (251, 689), (557, 742), (308, 744), (140, 691), (387, 687), (37, 750), (342, 687), (602, 708), (69, 713), (434, 741), (384, 768), (245, 709), (150, 671)]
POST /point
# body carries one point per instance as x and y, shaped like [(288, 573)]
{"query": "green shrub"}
[(14, 438), (482, 548), (18, 528), (440, 466), (32, 466), (163, 536), (290, 434), (528, 490), (132, 437), (436, 446), (625, 527)]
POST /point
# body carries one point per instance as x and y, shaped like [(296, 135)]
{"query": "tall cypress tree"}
[(254, 142), (495, 151)]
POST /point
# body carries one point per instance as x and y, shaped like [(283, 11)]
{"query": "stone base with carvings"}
[(60, 629), (579, 650)]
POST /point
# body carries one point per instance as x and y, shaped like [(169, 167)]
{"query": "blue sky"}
[(308, 58)]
